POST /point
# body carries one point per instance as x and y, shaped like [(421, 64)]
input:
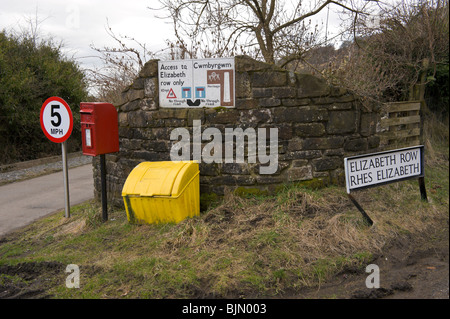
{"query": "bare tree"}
[(268, 29), (390, 53), (120, 66)]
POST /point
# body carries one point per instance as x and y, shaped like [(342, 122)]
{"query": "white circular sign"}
[(56, 119)]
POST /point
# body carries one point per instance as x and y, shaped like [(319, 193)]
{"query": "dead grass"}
[(436, 139), (267, 246), (244, 247)]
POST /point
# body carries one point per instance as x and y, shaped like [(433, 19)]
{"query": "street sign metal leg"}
[(66, 180), (366, 217), (423, 191), (103, 182)]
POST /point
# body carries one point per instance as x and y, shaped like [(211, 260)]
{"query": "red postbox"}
[(99, 128)]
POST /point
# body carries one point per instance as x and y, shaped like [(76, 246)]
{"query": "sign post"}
[(375, 169), (57, 123), (66, 180)]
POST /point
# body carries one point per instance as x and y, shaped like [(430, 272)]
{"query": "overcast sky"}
[(81, 23)]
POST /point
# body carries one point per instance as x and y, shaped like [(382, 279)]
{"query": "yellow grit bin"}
[(162, 192)]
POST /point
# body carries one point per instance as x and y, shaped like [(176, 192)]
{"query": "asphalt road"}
[(23, 202)]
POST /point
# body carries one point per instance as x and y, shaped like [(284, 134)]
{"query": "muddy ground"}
[(409, 269)]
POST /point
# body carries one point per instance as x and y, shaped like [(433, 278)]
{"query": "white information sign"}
[(196, 83), (385, 167)]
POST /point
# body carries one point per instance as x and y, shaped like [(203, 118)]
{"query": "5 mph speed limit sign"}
[(56, 119), (57, 124)]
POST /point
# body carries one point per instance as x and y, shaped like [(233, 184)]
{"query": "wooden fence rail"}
[(401, 125)]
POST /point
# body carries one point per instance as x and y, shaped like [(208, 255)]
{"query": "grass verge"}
[(255, 246)]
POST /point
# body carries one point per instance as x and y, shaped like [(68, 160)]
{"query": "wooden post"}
[(423, 104)]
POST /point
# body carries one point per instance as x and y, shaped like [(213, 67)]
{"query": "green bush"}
[(437, 91), (31, 71)]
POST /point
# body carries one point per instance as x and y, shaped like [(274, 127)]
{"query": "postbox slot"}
[(87, 108), (87, 118), (86, 115)]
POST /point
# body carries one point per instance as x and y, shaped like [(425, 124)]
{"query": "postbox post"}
[(103, 182), (100, 136)]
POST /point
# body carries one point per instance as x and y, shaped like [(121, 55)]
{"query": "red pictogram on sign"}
[(171, 94)]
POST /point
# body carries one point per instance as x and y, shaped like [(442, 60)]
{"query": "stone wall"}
[(318, 125)]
